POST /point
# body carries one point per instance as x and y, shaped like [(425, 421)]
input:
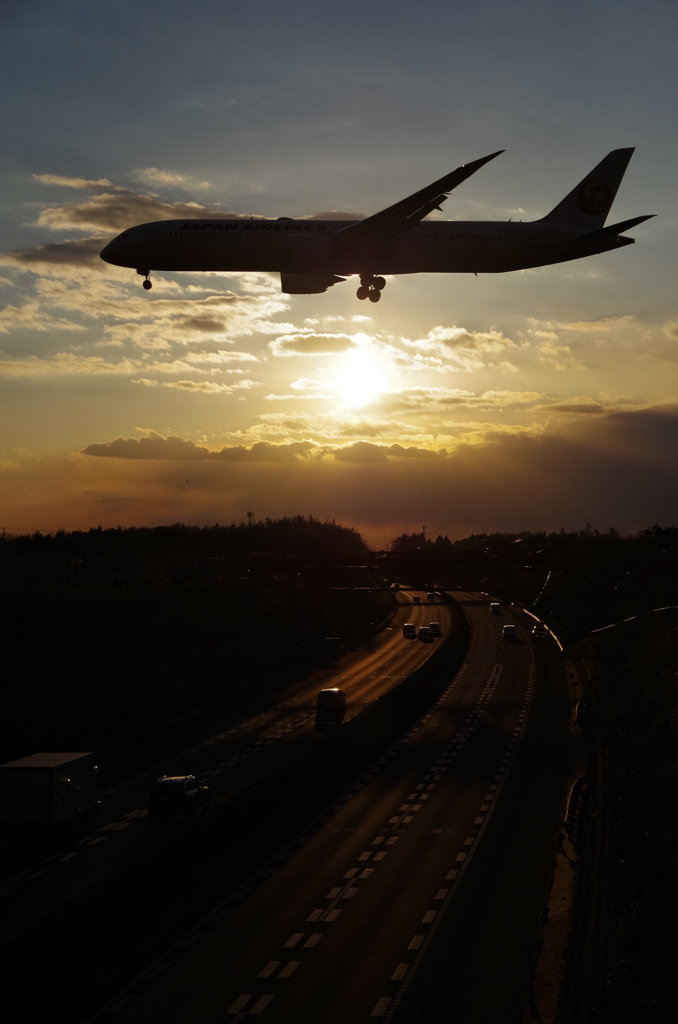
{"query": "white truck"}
[(46, 791)]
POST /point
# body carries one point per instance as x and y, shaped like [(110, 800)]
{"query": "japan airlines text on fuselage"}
[(311, 255)]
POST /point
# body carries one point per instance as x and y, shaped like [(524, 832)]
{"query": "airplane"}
[(312, 255)]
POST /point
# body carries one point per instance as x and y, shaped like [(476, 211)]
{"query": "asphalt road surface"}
[(416, 894)]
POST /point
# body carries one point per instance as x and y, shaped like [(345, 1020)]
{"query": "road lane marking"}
[(268, 970), (241, 1001), (313, 940), (381, 1007), (261, 1004), (289, 970), (293, 940), (416, 941), (400, 972), (159, 969)]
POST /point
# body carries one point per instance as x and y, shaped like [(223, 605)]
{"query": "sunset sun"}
[(360, 379)]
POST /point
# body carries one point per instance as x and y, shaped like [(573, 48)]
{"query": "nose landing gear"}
[(371, 287), (148, 284)]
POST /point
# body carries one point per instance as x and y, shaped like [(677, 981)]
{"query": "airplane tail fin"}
[(587, 205)]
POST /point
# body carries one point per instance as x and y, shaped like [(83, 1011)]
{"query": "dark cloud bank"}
[(615, 470)]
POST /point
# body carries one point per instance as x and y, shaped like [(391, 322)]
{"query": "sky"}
[(535, 400)]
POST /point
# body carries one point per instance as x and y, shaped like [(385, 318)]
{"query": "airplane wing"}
[(397, 219)]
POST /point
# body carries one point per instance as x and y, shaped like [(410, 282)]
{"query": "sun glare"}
[(360, 379)]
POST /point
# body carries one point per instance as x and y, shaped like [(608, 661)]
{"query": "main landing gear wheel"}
[(148, 284), (371, 287)]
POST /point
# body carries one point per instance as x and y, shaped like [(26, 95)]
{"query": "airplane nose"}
[(108, 253)]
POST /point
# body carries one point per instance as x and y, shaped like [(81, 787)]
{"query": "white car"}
[(509, 632), (425, 634)]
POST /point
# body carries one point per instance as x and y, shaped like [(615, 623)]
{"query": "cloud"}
[(204, 387), (77, 183), (153, 446), (42, 259), (112, 212), (156, 176), (455, 349), (610, 469), (361, 451), (309, 344)]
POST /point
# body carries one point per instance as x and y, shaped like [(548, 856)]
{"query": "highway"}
[(37, 879), (415, 894)]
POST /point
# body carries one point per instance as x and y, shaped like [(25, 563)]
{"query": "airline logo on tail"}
[(594, 197)]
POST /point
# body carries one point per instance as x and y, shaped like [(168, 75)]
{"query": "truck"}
[(48, 791), (330, 710)]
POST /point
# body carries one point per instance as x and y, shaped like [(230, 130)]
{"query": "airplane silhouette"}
[(312, 255)]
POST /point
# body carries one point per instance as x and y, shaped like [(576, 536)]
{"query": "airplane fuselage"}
[(319, 246)]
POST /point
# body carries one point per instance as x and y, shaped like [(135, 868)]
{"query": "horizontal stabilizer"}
[(614, 229)]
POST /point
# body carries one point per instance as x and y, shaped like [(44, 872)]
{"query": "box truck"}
[(45, 791)]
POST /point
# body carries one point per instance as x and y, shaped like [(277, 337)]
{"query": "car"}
[(435, 628), (409, 630), (178, 797), (424, 633), (416, 599), (509, 632), (540, 631), (430, 596), (495, 608)]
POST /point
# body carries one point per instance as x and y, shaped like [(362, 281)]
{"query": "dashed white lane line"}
[(400, 972), (159, 969), (261, 1003), (239, 1003), (381, 1007), (268, 970), (289, 969), (293, 940), (416, 941)]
